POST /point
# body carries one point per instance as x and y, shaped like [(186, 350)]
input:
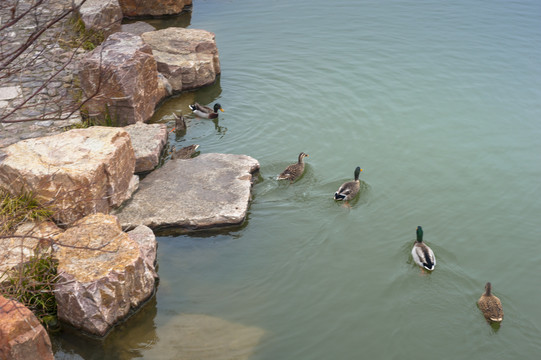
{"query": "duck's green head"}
[(357, 172), (419, 234), (218, 107)]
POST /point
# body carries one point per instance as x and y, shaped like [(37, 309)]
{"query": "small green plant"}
[(32, 285), (15, 210), (79, 36)]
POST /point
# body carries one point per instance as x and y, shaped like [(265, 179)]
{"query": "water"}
[(438, 102)]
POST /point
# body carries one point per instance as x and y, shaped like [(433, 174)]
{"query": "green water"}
[(438, 102)]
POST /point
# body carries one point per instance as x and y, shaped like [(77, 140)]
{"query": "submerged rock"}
[(22, 337), (203, 337), (148, 141), (103, 273), (76, 173), (188, 58), (211, 190)]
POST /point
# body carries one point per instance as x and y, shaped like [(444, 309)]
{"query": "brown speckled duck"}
[(294, 171), (184, 153), (490, 305)]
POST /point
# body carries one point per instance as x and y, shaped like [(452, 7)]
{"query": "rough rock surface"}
[(122, 73), (28, 239), (22, 337), (137, 28), (103, 273), (42, 76), (133, 8), (146, 239), (101, 15), (188, 58), (210, 190), (203, 337), (77, 172), (148, 142)]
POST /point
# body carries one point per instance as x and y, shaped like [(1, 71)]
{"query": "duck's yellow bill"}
[(222, 110)]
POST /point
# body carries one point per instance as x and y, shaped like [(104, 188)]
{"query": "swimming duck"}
[(184, 153), (294, 171), (180, 123), (490, 305), (422, 253), (205, 111), (349, 189)]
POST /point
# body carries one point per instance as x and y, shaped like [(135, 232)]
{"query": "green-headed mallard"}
[(422, 254), (294, 171), (205, 111), (490, 305), (349, 189), (184, 153)]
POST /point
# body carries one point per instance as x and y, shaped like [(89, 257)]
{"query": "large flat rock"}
[(211, 190)]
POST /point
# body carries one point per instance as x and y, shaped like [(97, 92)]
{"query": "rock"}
[(29, 239), (148, 142), (10, 92), (208, 191), (188, 58), (137, 28), (76, 173), (203, 337), (22, 337), (121, 78), (101, 15), (103, 273), (133, 8), (146, 239)]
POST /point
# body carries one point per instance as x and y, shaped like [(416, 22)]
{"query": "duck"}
[(490, 305), (183, 153), (180, 123), (422, 253), (205, 111), (294, 171), (349, 189)]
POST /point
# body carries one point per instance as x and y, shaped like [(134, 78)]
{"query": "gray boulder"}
[(148, 141), (188, 58), (133, 8), (101, 15), (211, 190), (137, 28), (120, 78)]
